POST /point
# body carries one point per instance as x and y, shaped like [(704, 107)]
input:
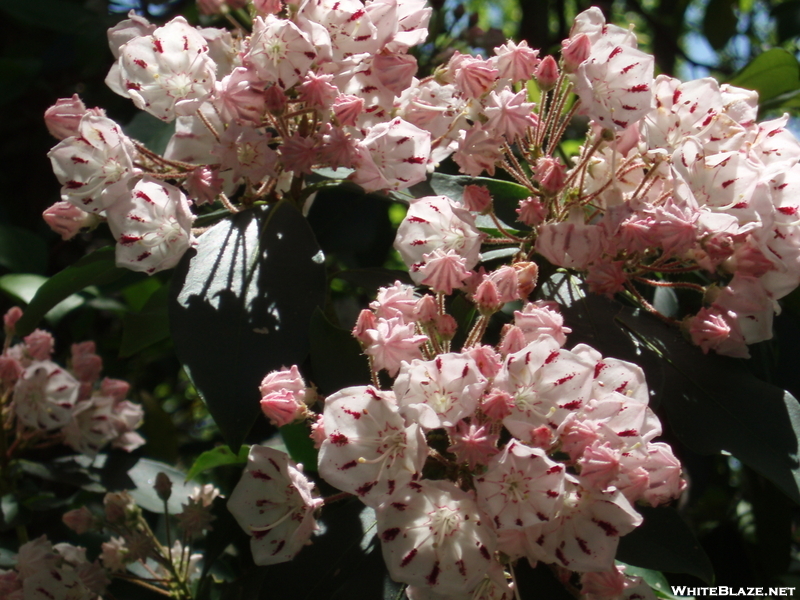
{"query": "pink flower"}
[(63, 117), (152, 225), (395, 71), (39, 345), (509, 115), (477, 198), (274, 503), (432, 535), (347, 109), (516, 62), (607, 277), (392, 156), (550, 174), (712, 329), (391, 343), (79, 520), (298, 153), (45, 396), (575, 51), (440, 392), (203, 185), (521, 487), (497, 404), (443, 270), (318, 91), (571, 243), (10, 319), (478, 151), (169, 72), (541, 318), (397, 300), (239, 97), (368, 448), (473, 443), (86, 364), (67, 220), (473, 76), (279, 51), (531, 211)]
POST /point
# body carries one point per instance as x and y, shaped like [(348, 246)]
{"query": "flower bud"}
[(446, 326), (39, 345), (163, 486), (551, 174), (67, 220), (119, 505), (79, 520), (487, 298), (513, 340), (547, 74), (425, 310), (267, 7), (63, 117), (531, 211), (203, 185), (274, 99), (347, 109), (115, 388), (527, 276), (477, 198), (497, 404), (10, 369), (281, 407), (574, 51), (365, 322), (10, 319)]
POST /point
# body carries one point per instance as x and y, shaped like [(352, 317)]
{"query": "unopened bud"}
[(477, 198), (487, 298), (425, 309), (527, 276), (446, 326), (574, 51), (10, 319), (365, 321), (163, 486), (547, 74), (79, 520)]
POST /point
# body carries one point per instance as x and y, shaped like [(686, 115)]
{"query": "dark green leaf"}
[(57, 15), (771, 74), (664, 542), (143, 475), (22, 251), (96, 268), (372, 279), (348, 368), (719, 22), (152, 132), (299, 445), (219, 456), (10, 509), (655, 579), (22, 288), (8, 559), (240, 307), (150, 325)]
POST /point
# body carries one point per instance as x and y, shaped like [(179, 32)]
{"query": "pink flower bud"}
[(497, 404), (366, 320), (487, 298), (547, 74), (574, 51), (67, 220), (531, 211), (318, 431), (10, 319), (513, 340), (446, 326), (477, 198), (210, 7), (506, 279), (86, 364), (487, 359), (274, 99), (347, 109), (527, 276), (395, 71), (79, 520), (550, 174), (425, 311), (63, 117), (281, 407), (542, 437), (203, 185), (118, 506), (163, 486), (39, 344), (114, 388), (10, 369), (267, 7)]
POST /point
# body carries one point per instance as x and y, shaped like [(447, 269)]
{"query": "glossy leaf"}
[(664, 542), (240, 307), (143, 475), (96, 268), (148, 326), (655, 579), (299, 445), (218, 457), (152, 132), (771, 74), (23, 287), (336, 358)]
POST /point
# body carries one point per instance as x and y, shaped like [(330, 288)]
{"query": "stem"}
[(649, 307), (143, 583), (208, 124), (678, 284), (477, 332), (336, 498), (227, 203), (502, 230)]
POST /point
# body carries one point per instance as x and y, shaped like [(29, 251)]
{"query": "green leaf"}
[(240, 307), (350, 367), (57, 15), (147, 327), (655, 579), (719, 22), (771, 74), (22, 251), (8, 558), (9, 509), (713, 402), (152, 132), (143, 475), (23, 288), (299, 445), (93, 269), (218, 457), (664, 542)]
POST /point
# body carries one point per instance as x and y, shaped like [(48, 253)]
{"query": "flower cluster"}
[(254, 115), (676, 184), (44, 570), (51, 404)]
